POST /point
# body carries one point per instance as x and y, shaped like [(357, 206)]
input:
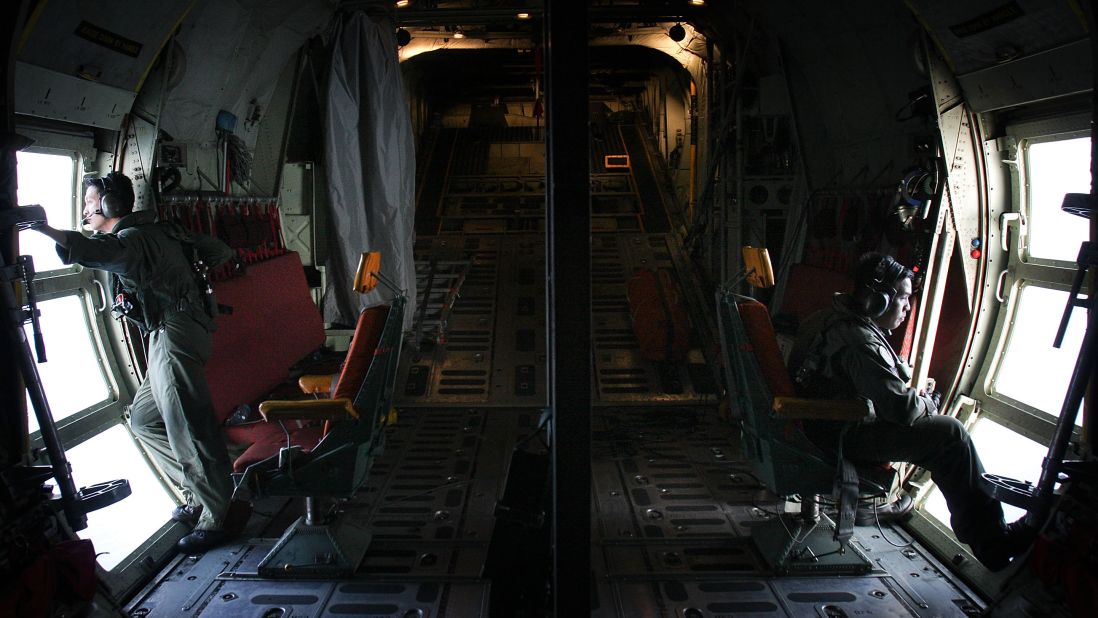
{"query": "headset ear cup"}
[(871, 302), (876, 303), (116, 197), (108, 203), (114, 205)]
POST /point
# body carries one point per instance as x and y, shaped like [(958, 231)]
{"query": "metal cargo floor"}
[(673, 511)]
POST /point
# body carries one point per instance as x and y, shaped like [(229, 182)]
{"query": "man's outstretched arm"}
[(60, 237)]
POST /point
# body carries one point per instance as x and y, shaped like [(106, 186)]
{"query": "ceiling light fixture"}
[(402, 3), (523, 16), (459, 34), (697, 2), (676, 32)]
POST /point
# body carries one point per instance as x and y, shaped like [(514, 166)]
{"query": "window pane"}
[(120, 528), (71, 376), (47, 180), (1033, 372), (1002, 452), (1056, 168)]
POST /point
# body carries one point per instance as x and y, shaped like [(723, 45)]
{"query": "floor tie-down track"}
[(429, 502), (673, 508), (674, 511), (485, 344)]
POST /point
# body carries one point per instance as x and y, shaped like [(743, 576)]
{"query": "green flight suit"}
[(842, 354), (171, 412)]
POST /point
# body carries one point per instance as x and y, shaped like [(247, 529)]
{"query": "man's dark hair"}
[(872, 265)]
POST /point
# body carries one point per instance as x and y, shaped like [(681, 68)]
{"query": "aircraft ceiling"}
[(83, 62), (112, 43), (980, 33), (862, 55)]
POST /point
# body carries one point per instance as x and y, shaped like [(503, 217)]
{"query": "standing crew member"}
[(849, 356), (155, 281)]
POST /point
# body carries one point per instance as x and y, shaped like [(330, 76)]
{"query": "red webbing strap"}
[(276, 228)]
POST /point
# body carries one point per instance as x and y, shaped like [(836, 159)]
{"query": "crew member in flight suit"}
[(171, 412), (849, 356)]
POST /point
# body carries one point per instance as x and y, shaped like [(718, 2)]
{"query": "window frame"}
[(1024, 142), (92, 288), (1004, 193), (74, 280), (1023, 270), (83, 424)]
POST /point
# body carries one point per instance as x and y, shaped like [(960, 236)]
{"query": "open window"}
[(1023, 378), (80, 375), (74, 377)]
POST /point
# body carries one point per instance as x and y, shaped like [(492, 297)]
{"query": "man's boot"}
[(868, 514), (996, 551), (187, 514)]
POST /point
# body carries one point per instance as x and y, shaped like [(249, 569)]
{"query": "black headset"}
[(115, 195), (875, 296)]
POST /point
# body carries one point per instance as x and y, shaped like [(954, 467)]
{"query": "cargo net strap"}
[(250, 226), (843, 224)]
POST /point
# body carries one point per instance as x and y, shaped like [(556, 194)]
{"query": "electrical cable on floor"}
[(880, 529), (765, 511), (793, 536)]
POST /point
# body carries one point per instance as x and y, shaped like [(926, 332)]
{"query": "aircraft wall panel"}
[(53, 95)]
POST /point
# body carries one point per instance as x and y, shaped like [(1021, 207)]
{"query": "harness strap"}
[(846, 487)]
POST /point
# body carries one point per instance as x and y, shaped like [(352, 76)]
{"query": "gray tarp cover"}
[(370, 161)]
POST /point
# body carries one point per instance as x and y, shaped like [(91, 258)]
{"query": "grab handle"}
[(102, 296), (999, 286)]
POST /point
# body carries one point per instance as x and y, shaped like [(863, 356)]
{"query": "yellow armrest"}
[(307, 410), (369, 265), (798, 408), (315, 384)]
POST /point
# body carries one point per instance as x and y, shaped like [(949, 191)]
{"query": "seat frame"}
[(316, 545), (787, 463)]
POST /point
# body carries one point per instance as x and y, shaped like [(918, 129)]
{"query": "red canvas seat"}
[(274, 324), (269, 437)]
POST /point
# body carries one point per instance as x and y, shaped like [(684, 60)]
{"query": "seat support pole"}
[(810, 509), (310, 512)]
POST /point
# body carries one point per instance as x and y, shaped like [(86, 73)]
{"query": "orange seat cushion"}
[(361, 351), (764, 344)]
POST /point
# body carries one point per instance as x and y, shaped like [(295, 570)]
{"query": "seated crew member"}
[(171, 412), (850, 356)]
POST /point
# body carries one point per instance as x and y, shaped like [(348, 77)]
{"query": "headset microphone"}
[(86, 220)]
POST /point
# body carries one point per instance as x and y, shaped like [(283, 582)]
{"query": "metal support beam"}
[(629, 13), (13, 415), (568, 260)]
